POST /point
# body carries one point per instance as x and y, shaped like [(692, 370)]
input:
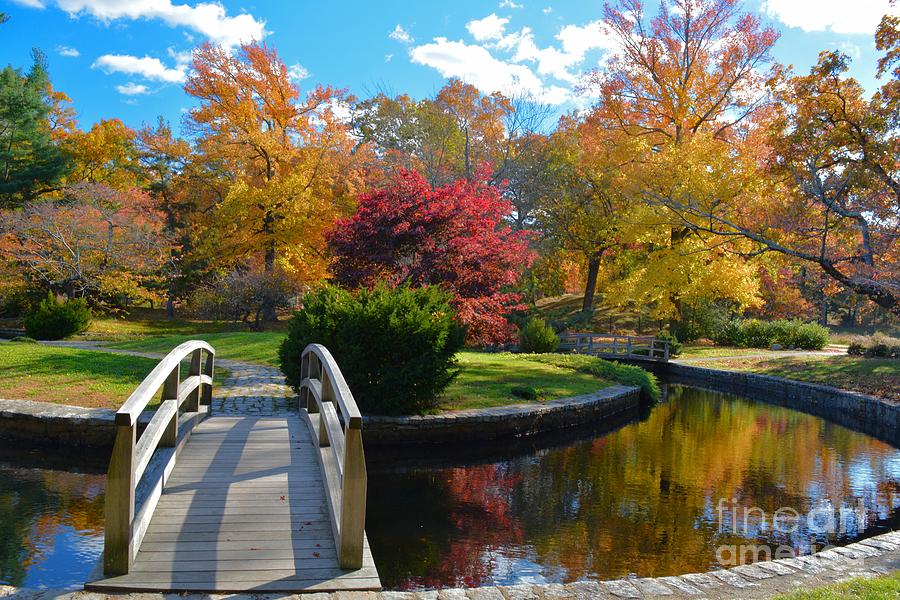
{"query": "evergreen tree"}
[(30, 163)]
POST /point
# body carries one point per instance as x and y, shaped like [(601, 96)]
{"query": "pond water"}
[(659, 496), (656, 496), (51, 523)]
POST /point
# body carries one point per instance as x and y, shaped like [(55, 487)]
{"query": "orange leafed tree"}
[(694, 68), (287, 155)]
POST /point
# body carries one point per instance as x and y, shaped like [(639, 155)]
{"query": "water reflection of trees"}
[(35, 507), (641, 500)]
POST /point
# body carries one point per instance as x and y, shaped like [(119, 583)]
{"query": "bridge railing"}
[(625, 346), (134, 482), (337, 422)]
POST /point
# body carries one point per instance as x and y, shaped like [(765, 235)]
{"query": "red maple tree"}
[(454, 236)]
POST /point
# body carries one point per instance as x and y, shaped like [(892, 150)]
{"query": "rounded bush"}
[(55, 320), (536, 337), (729, 333), (396, 347), (811, 336), (758, 334)]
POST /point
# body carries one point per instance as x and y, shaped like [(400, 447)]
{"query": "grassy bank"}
[(487, 380), (876, 376), (879, 588), (250, 346), (68, 376)]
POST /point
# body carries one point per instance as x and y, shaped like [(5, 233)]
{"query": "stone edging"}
[(874, 416), (45, 423), (867, 558), (489, 424)]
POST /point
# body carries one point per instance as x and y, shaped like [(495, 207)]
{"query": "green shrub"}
[(789, 333), (54, 320), (537, 337), (675, 346), (877, 345), (811, 336), (524, 391), (23, 339), (613, 371), (729, 333), (758, 334), (395, 347)]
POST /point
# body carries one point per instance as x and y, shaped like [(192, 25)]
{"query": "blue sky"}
[(128, 58)]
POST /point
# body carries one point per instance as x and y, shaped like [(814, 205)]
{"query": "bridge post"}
[(193, 400), (353, 499), (208, 370), (117, 550)]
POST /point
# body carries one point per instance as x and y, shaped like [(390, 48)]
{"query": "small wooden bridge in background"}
[(607, 345), (237, 504)]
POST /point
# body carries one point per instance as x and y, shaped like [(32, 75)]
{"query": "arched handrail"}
[(323, 388), (130, 463)]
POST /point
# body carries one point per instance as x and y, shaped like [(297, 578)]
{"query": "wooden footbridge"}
[(236, 504), (614, 346)]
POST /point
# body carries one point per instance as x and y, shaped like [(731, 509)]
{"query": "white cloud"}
[(401, 35), (68, 51), (491, 27), (388, 57), (575, 41), (547, 10), (851, 49), (839, 16), (475, 65), (297, 72), (147, 67), (510, 4), (209, 19), (132, 89), (30, 3)]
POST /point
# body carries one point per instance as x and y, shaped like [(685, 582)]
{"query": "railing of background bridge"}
[(625, 346)]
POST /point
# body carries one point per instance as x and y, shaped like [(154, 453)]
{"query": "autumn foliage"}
[(453, 236)]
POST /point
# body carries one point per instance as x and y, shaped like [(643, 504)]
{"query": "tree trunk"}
[(590, 287), (268, 306), (170, 307)]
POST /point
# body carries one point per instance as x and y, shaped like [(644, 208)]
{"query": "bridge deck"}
[(243, 510)]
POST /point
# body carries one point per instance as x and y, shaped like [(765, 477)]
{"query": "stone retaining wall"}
[(489, 424), (44, 424), (869, 414)]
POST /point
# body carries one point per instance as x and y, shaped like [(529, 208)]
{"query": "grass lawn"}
[(69, 376), (876, 376), (485, 380), (699, 351), (87, 378), (142, 322), (879, 588), (488, 379), (250, 346)]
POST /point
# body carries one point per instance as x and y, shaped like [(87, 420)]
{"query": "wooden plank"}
[(250, 553), (168, 537), (165, 512), (322, 545), (188, 527), (242, 563)]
